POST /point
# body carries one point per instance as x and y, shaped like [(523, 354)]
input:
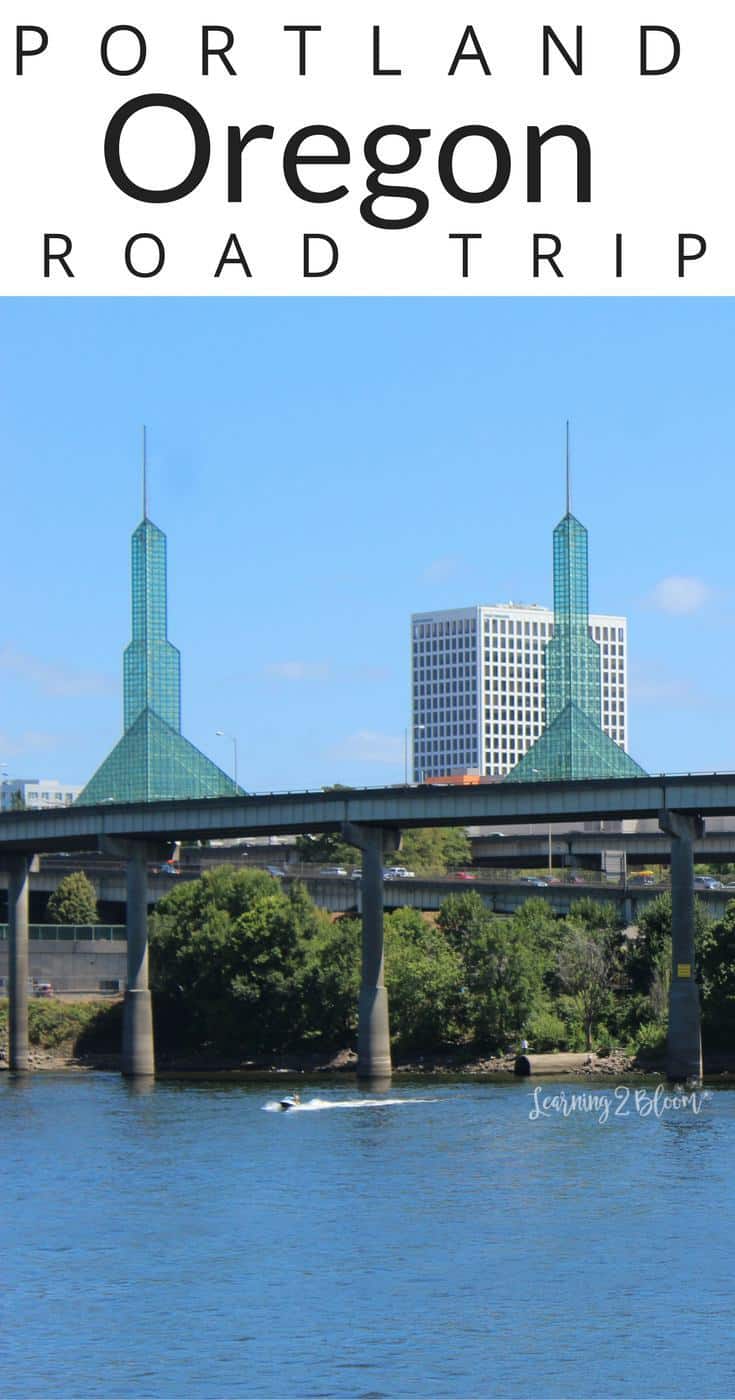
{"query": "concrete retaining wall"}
[(72, 967)]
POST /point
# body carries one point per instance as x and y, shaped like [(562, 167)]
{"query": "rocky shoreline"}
[(343, 1062), (616, 1064)]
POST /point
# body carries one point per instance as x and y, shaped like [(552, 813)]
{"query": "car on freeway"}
[(399, 872), (356, 874), (333, 870), (537, 881), (642, 877), (275, 871), (466, 875), (168, 868), (707, 882), (43, 989)]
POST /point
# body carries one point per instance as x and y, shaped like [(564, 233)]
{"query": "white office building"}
[(477, 681), (36, 794)]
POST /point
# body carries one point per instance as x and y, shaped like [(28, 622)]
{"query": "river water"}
[(448, 1239)]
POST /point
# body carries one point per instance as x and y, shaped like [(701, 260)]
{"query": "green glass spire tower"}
[(153, 761), (572, 656), (573, 743), (151, 664)]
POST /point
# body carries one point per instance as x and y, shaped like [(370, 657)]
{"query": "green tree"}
[(536, 921), (722, 871), (331, 983), (504, 962), (586, 966), (424, 976), (433, 850), (504, 982), (462, 919), (73, 901), (716, 958), (546, 1031), (648, 962), (427, 850), (327, 848), (595, 915), (228, 954)]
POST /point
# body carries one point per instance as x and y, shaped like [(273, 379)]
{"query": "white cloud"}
[(680, 595), (54, 680), (368, 747), (29, 741), (440, 569), (297, 670), (653, 686)]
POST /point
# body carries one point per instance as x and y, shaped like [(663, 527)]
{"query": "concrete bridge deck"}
[(492, 804)]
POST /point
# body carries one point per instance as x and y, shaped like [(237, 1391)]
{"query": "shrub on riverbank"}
[(230, 954), (238, 967), (77, 1028), (241, 968)]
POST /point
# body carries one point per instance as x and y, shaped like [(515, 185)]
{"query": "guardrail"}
[(72, 933)]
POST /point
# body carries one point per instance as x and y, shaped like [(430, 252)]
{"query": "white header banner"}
[(541, 148)]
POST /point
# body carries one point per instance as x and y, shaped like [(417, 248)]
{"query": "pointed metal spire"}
[(569, 476), (145, 474)]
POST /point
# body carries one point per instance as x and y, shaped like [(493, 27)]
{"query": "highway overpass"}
[(274, 814), (371, 819), (338, 895), (588, 850)]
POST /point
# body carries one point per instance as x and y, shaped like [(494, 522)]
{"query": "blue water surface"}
[(182, 1242)]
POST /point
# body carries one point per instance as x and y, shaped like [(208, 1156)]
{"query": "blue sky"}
[(324, 467)]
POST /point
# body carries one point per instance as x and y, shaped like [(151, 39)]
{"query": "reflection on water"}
[(435, 1240), (140, 1088)]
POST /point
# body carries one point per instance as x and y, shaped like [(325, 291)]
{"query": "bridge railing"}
[(71, 933)]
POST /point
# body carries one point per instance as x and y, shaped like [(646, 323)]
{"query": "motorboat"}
[(290, 1101)]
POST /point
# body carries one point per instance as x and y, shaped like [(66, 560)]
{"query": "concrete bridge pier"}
[(19, 868), (138, 1059), (137, 1038), (684, 1043), (374, 1065)]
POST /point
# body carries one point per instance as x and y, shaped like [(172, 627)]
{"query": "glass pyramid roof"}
[(573, 746), (154, 763)]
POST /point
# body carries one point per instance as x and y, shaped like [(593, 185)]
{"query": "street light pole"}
[(417, 729), (538, 773), (220, 733)]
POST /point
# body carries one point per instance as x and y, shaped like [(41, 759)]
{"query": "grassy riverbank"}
[(65, 1031), (246, 974), (87, 1035)]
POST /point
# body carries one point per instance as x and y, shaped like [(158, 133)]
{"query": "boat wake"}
[(316, 1105)]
